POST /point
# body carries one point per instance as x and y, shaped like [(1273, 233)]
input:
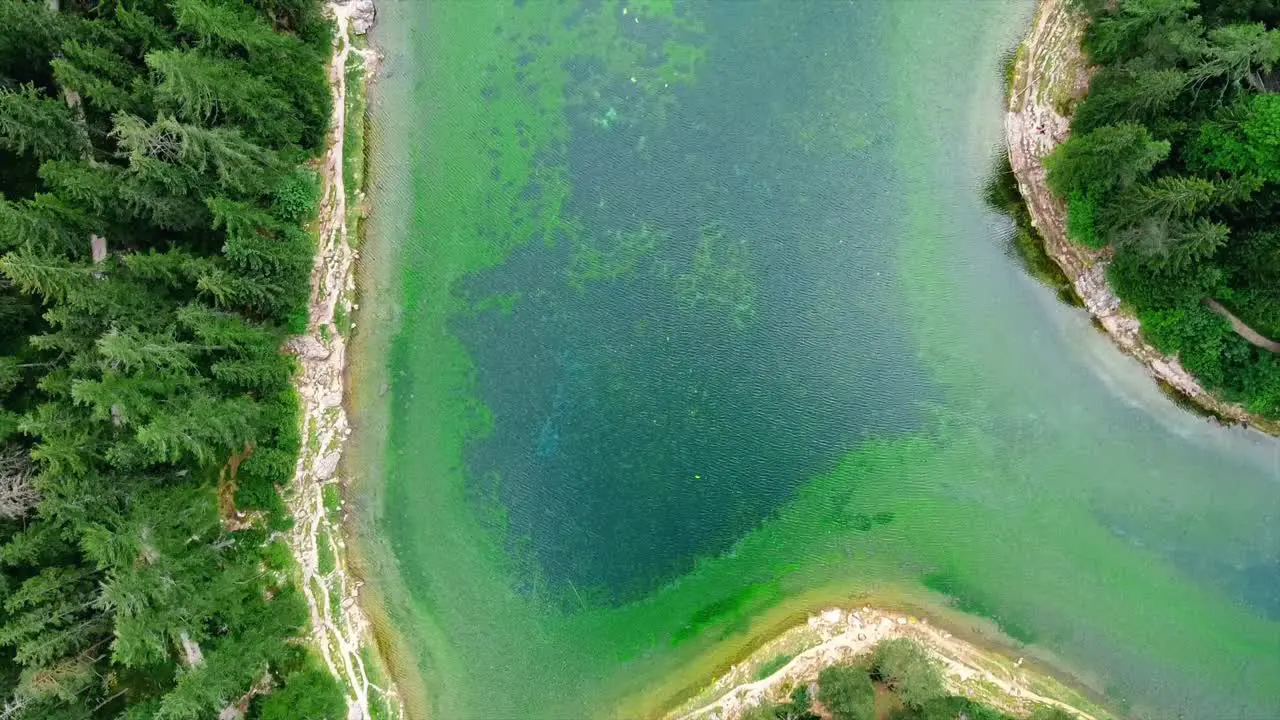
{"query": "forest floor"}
[(837, 636), (1050, 75), (340, 629)]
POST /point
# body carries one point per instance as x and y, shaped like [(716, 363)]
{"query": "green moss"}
[(969, 598), (342, 319), (771, 666), (1009, 67), (353, 141), (504, 303), (326, 561), (332, 498)]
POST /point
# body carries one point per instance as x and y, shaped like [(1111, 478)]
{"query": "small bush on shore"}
[(908, 670), (847, 693)]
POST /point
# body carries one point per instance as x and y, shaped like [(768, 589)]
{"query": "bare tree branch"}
[(17, 493)]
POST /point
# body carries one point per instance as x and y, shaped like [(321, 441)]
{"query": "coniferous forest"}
[(154, 196), (1174, 163)]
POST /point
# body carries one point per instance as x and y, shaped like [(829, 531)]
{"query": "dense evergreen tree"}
[(1174, 163), (151, 260)]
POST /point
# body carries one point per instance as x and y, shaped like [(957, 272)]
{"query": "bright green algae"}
[(1033, 496)]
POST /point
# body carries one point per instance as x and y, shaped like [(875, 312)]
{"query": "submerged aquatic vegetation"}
[(613, 255), (998, 490), (719, 278)]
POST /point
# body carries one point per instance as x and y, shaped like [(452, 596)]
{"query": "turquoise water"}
[(721, 329), (695, 321)]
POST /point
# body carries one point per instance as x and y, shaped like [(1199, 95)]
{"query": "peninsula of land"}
[(1050, 76), (795, 660)]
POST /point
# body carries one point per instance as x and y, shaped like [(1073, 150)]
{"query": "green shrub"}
[(1259, 382), (908, 670), (951, 708), (308, 694), (764, 711), (800, 706), (278, 556), (1044, 712), (1180, 328), (847, 693), (1081, 220), (297, 198), (1195, 334)]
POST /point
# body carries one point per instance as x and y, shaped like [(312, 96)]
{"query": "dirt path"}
[(1254, 337), (339, 626), (837, 636), (1050, 73)]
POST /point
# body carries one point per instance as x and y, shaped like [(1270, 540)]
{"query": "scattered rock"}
[(326, 466), (307, 347)]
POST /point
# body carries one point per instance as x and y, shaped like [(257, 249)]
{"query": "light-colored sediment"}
[(1050, 74), (340, 629), (836, 636)]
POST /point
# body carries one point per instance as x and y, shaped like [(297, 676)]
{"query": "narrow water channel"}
[(687, 318)]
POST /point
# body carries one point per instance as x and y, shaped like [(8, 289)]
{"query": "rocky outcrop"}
[(360, 13), (1050, 76)]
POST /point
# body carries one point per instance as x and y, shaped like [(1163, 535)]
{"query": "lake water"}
[(684, 319)]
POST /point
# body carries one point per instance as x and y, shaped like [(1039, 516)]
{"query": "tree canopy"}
[(910, 687), (153, 186), (1174, 164)]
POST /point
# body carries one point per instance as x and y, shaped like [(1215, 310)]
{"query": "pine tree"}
[(1110, 158), (221, 25), (96, 70), (1165, 199), (56, 632), (157, 151), (129, 381), (42, 126), (1238, 55), (42, 224), (198, 86), (53, 277), (1174, 246), (1117, 95), (29, 36), (1136, 26)]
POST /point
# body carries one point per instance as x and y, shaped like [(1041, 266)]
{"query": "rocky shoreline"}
[(1050, 74), (341, 630)]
